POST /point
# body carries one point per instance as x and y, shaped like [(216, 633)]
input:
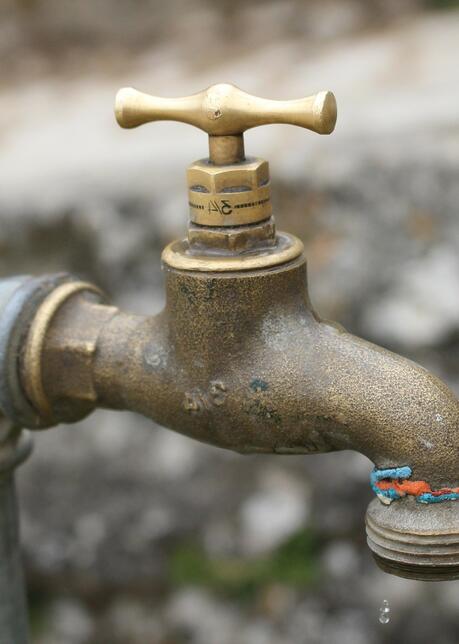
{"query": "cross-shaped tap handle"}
[(225, 112)]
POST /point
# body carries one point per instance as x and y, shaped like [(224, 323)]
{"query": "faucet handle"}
[(227, 190), (224, 109)]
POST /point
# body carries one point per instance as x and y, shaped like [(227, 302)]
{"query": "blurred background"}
[(133, 534)]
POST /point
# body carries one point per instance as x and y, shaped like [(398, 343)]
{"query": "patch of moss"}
[(294, 563), (38, 607)]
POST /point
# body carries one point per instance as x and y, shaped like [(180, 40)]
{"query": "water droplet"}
[(384, 611)]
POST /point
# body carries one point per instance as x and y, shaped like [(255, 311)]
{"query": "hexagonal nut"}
[(234, 239), (239, 177)]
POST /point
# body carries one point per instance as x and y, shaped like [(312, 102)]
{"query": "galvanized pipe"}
[(15, 447), (13, 609)]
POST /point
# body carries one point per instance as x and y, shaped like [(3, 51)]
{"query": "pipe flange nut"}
[(20, 299)]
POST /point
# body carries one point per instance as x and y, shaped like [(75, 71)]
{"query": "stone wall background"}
[(135, 535)]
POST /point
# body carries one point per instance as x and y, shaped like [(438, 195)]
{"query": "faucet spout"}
[(244, 362)]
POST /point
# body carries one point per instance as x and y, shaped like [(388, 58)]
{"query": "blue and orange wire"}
[(393, 483)]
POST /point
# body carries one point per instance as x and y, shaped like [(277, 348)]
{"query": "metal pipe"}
[(13, 607), (15, 447)]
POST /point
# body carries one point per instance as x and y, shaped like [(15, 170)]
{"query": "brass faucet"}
[(239, 358)]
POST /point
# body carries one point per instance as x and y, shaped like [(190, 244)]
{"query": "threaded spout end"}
[(415, 541)]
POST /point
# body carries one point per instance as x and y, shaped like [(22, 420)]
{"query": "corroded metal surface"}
[(283, 380), (242, 361)]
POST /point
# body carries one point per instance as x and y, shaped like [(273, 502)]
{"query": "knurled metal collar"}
[(229, 195)]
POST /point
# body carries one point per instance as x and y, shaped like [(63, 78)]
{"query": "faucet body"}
[(240, 359), (243, 362)]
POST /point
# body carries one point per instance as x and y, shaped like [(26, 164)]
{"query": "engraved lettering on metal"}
[(198, 400), (232, 209)]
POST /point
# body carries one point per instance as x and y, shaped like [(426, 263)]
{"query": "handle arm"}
[(225, 110)]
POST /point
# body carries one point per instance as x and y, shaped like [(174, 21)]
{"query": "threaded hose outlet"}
[(414, 540)]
